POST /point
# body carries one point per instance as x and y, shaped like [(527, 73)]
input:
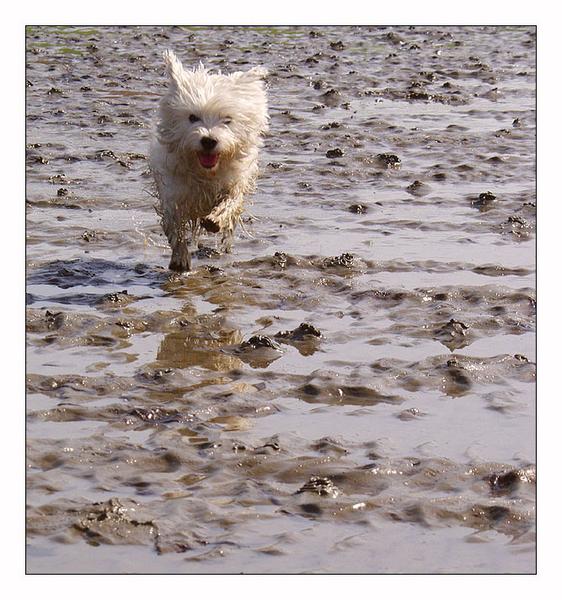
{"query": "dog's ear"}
[(174, 68), (255, 74)]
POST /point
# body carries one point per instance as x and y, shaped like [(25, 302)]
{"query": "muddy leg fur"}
[(181, 258), (177, 237), (224, 216)]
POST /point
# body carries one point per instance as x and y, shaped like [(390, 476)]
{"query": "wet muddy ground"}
[(352, 389)]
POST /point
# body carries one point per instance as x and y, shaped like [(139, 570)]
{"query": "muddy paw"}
[(180, 265), (210, 225)]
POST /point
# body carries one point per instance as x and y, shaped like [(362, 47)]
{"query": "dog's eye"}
[(193, 118), (227, 121)]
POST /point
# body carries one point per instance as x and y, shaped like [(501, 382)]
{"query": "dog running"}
[(204, 152)]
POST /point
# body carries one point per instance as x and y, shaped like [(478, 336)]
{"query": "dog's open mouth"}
[(208, 159)]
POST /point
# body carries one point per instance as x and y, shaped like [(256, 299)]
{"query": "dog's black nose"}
[(208, 143)]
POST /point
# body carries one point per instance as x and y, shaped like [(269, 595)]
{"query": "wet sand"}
[(352, 389)]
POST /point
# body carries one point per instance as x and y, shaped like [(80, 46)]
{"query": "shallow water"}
[(397, 433)]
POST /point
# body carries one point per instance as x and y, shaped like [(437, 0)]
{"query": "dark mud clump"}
[(389, 160), (300, 333), (334, 153), (259, 351), (158, 416), (112, 522), (259, 341), (321, 486), (345, 260), (485, 202), (418, 188), (454, 334), (305, 338), (508, 482), (358, 209)]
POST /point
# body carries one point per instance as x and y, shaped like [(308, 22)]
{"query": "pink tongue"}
[(208, 160)]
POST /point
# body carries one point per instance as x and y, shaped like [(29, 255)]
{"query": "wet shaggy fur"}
[(204, 153)]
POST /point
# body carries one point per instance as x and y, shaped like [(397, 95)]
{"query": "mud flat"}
[(356, 381)]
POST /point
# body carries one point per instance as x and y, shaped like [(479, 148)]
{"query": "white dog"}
[(204, 155)]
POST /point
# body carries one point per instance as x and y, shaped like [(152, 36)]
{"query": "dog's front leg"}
[(176, 232), (224, 216), (181, 257)]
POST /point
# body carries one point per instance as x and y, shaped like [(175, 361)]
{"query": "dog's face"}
[(212, 119)]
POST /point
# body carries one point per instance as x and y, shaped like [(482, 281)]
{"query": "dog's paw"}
[(180, 266), (210, 225)]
